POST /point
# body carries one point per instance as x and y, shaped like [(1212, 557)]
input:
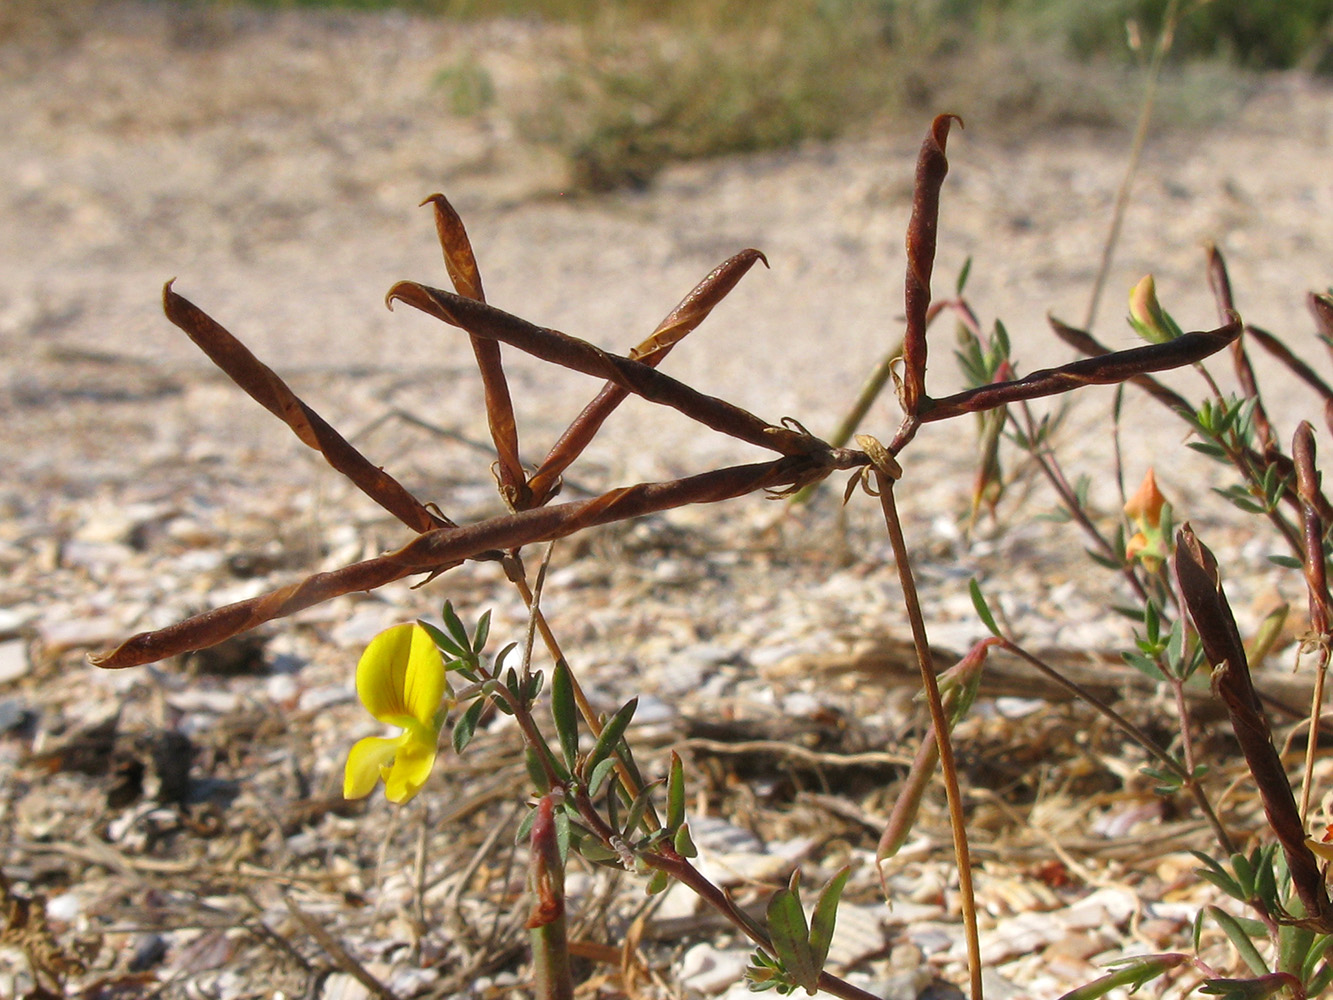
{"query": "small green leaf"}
[(683, 843), (444, 642), (562, 835), (825, 917), (454, 625), (1289, 562), (658, 882), (983, 609), (1144, 665), (525, 828), (1240, 939), (790, 935), (1209, 449), (962, 276), (466, 725), (482, 633), (675, 793), (565, 713), (536, 774), (1134, 973), (636, 810), (597, 779), (612, 733)]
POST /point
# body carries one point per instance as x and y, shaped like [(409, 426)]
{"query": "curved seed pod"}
[(931, 168), (444, 548), (679, 323), (559, 348), (272, 393), (1202, 595), (1105, 369), (461, 263)]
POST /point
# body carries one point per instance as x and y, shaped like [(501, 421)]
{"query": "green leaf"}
[(962, 276), (683, 843), (562, 835), (983, 609), (536, 774), (525, 828), (790, 935), (825, 917), (597, 779), (1236, 934), (1133, 972), (1209, 449), (658, 882), (1144, 665), (445, 643), (466, 725), (482, 633), (565, 713), (636, 810), (612, 733), (454, 625), (675, 793), (1289, 562)]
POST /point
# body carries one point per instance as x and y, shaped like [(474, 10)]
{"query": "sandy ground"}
[(272, 164)]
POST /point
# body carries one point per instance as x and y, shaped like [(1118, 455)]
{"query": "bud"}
[(1146, 315), (1151, 514)]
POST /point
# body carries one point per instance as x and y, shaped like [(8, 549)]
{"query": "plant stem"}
[(940, 724)]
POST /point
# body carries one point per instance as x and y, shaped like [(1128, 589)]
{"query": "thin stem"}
[(940, 724)]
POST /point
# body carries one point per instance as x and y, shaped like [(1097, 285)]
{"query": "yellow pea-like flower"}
[(401, 681)]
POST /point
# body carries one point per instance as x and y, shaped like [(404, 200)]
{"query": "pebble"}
[(709, 970), (13, 660)]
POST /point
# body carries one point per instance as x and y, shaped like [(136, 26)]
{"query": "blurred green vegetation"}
[(654, 81)]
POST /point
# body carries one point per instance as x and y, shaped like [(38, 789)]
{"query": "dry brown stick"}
[(1201, 592), (483, 320), (442, 549), (680, 322), (1106, 369), (266, 388), (931, 168), (461, 263)]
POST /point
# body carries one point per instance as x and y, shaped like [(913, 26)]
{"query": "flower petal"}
[(411, 768), (424, 682), (380, 674), (366, 763)]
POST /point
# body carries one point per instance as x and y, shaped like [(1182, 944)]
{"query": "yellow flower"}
[(401, 681)]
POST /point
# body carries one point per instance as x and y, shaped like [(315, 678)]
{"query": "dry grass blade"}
[(461, 263), (1106, 369), (1201, 592), (444, 548), (931, 168), (338, 953), (267, 389), (679, 323), (559, 348)]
